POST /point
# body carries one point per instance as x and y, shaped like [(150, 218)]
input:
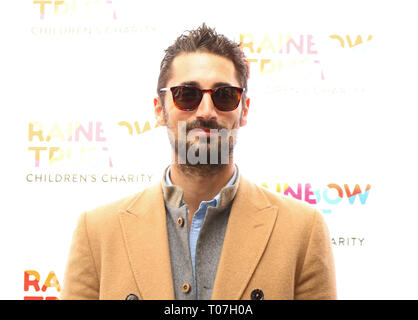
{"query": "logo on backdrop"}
[(130, 126), (84, 145), (349, 41), (286, 55), (37, 288), (80, 15), (290, 56), (348, 241), (78, 8), (77, 146), (326, 198)]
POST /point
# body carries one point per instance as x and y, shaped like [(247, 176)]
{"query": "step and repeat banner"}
[(332, 122)]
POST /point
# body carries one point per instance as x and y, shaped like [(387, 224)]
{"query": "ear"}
[(245, 109), (159, 112)]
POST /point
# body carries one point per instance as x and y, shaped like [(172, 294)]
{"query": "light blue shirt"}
[(198, 218)]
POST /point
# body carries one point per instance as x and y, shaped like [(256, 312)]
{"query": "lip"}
[(202, 132)]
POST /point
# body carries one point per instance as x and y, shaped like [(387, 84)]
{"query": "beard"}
[(199, 154)]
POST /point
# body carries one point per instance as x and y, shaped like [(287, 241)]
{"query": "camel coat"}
[(272, 243)]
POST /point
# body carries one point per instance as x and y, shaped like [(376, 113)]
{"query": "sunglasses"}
[(188, 98)]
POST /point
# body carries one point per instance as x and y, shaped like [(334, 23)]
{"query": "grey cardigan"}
[(209, 243)]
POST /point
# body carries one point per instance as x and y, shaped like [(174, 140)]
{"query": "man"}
[(204, 232)]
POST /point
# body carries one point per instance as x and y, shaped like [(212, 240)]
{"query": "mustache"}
[(206, 124)]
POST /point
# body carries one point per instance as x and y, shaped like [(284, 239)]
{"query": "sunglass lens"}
[(227, 98), (186, 98)]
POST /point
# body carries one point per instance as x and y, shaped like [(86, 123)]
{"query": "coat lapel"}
[(250, 224), (145, 234), (249, 227)]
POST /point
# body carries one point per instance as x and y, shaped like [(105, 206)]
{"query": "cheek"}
[(235, 119), (176, 117)]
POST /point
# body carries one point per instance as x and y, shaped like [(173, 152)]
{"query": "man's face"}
[(205, 71)]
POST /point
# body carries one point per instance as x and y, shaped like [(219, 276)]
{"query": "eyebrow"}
[(196, 84)]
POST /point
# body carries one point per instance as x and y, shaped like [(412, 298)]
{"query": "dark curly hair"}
[(204, 39)]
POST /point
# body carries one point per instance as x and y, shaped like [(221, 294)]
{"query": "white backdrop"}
[(333, 109)]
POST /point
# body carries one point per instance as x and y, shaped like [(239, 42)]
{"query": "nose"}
[(206, 109)]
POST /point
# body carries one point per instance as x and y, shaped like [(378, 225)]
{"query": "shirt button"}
[(186, 287), (180, 222)]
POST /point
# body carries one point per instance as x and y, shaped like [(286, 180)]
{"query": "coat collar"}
[(173, 195), (144, 228), (145, 234), (250, 224)]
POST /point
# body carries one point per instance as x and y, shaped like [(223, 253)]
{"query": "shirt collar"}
[(173, 195)]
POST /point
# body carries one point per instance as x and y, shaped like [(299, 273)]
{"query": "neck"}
[(200, 184)]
